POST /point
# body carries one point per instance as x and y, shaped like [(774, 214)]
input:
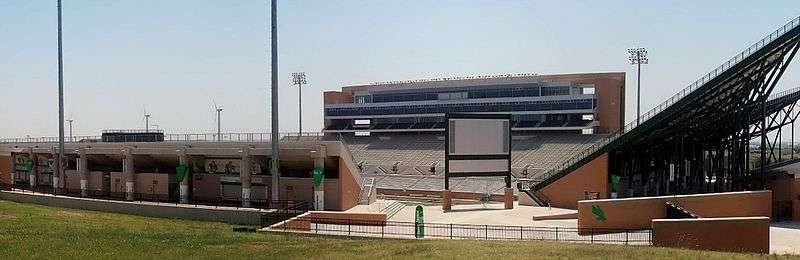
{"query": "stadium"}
[(496, 157)]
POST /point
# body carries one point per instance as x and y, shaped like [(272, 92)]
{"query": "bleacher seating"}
[(413, 155)]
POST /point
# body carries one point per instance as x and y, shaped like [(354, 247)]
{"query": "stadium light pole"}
[(275, 139), (638, 57), (60, 168), (218, 109), (146, 121), (298, 79)]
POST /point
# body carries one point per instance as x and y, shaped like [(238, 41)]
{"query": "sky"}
[(177, 58)]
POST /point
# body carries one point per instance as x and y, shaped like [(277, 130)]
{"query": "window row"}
[(445, 108)]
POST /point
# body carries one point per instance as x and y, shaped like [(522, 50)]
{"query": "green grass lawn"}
[(33, 231)]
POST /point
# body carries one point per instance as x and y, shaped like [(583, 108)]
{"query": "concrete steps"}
[(392, 209)]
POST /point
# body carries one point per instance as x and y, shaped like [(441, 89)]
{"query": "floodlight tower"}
[(638, 57), (146, 121), (298, 79), (219, 121)]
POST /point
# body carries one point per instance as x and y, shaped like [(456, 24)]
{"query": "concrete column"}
[(14, 168), (35, 170), (83, 170), (128, 172), (246, 176), (56, 179), (319, 191), (183, 159), (447, 200)]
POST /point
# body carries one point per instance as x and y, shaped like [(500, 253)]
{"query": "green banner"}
[(318, 174), (419, 223), (29, 165), (181, 172)]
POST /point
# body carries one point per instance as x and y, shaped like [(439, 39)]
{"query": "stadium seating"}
[(404, 161)]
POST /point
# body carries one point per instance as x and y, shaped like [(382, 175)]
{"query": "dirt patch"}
[(4, 216), (70, 214)]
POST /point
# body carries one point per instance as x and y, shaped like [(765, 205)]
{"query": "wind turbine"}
[(218, 109)]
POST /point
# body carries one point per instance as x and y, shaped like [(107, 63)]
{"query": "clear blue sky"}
[(175, 57)]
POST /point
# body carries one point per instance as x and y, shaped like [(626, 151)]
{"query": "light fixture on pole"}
[(218, 109), (146, 121), (299, 79), (638, 57)]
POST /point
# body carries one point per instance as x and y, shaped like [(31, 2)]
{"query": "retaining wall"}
[(243, 216), (745, 234)]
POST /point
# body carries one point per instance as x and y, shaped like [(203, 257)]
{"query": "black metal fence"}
[(399, 229)]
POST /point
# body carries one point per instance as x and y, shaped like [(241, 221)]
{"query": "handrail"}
[(675, 98), (202, 137), (784, 93)]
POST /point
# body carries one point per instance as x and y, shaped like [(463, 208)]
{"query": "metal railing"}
[(161, 198), (210, 137), (399, 229), (675, 98), (784, 93)]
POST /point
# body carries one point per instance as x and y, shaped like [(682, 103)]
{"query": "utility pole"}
[(70, 129), (298, 79), (274, 137), (638, 57), (59, 163)]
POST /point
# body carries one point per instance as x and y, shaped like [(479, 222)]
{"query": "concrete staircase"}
[(392, 209)]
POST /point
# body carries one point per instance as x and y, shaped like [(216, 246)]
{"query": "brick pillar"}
[(508, 198), (447, 200), (183, 159), (246, 174), (128, 172), (83, 170), (319, 162)]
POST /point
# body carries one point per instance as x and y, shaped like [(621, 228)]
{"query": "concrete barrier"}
[(736, 234), (304, 221), (242, 216)]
